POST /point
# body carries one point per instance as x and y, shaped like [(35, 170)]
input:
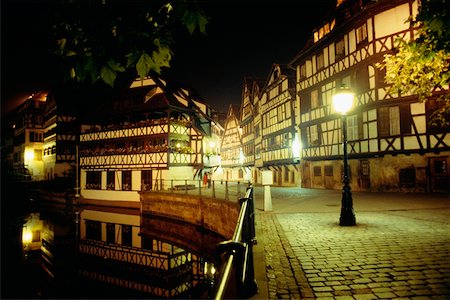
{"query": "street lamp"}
[(342, 103)]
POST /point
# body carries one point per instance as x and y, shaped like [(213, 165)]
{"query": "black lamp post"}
[(343, 102)]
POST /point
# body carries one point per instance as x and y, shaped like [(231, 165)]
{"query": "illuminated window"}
[(352, 128)]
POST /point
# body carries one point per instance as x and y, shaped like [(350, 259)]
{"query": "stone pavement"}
[(399, 249)]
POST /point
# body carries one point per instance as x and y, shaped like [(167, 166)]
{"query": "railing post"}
[(185, 186), (199, 188), (171, 186), (213, 190)]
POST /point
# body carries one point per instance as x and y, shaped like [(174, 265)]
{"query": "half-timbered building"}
[(247, 127), (391, 144), (231, 151), (28, 137), (278, 130), (60, 136), (147, 137), (256, 92)]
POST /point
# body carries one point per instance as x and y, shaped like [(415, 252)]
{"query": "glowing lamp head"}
[(343, 100)]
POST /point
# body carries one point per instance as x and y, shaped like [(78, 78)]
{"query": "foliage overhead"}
[(422, 66), (99, 40)]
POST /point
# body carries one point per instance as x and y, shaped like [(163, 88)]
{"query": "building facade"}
[(151, 138), (391, 144), (28, 137), (60, 137), (279, 137), (231, 151)]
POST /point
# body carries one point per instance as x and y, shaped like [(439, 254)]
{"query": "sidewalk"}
[(400, 247)]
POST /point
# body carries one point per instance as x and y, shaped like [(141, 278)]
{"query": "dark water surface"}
[(52, 250)]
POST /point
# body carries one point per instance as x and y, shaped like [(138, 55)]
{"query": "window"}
[(388, 121), (93, 180), (407, 177), (241, 173), (93, 230), (127, 235), (303, 71), (328, 170), (110, 180), (315, 99), (361, 34), (126, 180), (317, 171), (340, 49), (362, 79), (320, 61), (35, 136), (146, 183), (111, 233), (313, 136), (352, 128)]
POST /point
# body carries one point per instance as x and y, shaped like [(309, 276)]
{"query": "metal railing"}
[(236, 277)]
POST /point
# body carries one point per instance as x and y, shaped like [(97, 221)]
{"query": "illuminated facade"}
[(391, 145), (60, 137), (28, 138), (152, 134), (231, 147)]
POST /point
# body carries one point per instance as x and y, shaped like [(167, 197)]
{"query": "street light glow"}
[(343, 100)]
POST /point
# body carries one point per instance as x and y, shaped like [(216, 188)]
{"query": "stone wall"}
[(217, 215)]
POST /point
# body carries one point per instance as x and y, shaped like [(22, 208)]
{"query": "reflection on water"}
[(99, 252)]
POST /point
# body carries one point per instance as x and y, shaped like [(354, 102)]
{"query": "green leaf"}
[(144, 65), (202, 21), (108, 75), (190, 21)]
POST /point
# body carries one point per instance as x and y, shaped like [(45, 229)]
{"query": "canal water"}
[(52, 250)]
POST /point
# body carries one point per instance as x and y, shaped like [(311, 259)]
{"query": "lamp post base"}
[(347, 215)]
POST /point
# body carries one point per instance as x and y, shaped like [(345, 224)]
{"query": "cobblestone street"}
[(392, 253)]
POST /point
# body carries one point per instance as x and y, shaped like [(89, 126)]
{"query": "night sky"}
[(244, 38)]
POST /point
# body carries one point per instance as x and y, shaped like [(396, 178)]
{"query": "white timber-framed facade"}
[(278, 131), (231, 151), (391, 144), (152, 135)]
